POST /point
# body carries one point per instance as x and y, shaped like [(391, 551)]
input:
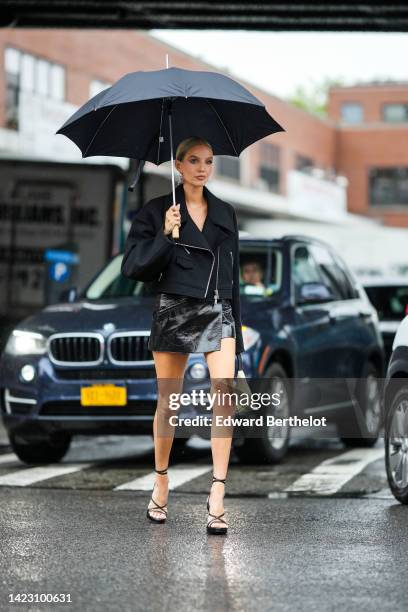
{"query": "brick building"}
[(363, 137), (371, 148)]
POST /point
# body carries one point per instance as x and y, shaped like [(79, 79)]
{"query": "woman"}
[(197, 306)]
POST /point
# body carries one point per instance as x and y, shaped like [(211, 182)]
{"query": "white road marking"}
[(278, 495), (23, 478), (9, 458), (177, 477), (332, 474)]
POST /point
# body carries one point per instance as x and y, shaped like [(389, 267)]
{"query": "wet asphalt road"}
[(77, 533)]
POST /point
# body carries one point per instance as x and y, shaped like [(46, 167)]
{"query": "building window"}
[(388, 186), (303, 163), (96, 86), (229, 167), (57, 82), (43, 78), (352, 112), (12, 70), (395, 113), (26, 72), (269, 166)]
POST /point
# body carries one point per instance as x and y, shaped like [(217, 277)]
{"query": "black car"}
[(82, 366), (390, 298)]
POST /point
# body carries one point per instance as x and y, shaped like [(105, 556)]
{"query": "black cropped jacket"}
[(184, 266)]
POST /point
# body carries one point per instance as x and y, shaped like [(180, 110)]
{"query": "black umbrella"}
[(145, 112)]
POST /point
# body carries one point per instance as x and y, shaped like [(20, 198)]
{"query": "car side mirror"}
[(314, 292), (68, 295)]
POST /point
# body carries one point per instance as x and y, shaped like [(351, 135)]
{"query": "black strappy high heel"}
[(158, 508), (216, 530)]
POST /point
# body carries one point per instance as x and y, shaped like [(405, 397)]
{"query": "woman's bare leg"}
[(170, 375), (222, 366)]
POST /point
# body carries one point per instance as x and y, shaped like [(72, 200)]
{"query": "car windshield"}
[(260, 276), (390, 302)]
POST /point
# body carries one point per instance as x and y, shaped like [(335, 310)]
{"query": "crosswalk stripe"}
[(332, 474), (23, 478), (177, 477), (8, 458), (327, 478)]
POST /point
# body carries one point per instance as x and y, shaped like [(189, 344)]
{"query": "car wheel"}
[(272, 445), (47, 450), (396, 445), (366, 418)]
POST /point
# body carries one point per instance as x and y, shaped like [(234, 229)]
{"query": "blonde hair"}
[(187, 143)]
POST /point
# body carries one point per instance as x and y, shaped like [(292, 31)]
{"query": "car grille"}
[(76, 349), (129, 348), (87, 349), (74, 408)]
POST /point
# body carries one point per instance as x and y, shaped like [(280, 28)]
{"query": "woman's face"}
[(196, 166)]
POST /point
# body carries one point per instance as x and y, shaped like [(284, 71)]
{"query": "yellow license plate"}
[(103, 395)]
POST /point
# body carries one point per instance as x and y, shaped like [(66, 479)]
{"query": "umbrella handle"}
[(175, 232)]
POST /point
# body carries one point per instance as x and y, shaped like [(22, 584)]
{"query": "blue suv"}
[(82, 366)]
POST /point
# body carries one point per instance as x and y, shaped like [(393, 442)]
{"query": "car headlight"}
[(250, 336), (26, 343)]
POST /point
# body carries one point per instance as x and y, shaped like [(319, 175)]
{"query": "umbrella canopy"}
[(132, 118)]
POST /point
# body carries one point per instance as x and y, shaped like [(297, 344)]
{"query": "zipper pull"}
[(216, 282)]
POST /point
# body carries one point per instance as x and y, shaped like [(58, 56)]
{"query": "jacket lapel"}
[(218, 214)]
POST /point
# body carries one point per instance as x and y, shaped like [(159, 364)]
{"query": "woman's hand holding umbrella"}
[(172, 220)]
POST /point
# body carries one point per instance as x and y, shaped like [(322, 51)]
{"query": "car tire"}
[(272, 446), (368, 423), (396, 445), (48, 450)]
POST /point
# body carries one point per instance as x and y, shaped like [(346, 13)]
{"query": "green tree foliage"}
[(313, 98)]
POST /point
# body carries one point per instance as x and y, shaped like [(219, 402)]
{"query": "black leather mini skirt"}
[(182, 324)]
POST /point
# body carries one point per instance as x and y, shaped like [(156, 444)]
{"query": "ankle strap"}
[(214, 479), (161, 471)]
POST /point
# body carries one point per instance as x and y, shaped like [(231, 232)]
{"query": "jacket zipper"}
[(216, 282), (232, 260), (216, 295), (193, 246)]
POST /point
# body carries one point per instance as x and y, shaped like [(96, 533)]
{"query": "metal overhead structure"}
[(269, 16)]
